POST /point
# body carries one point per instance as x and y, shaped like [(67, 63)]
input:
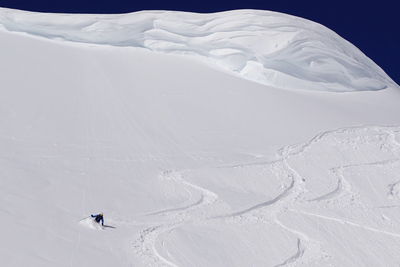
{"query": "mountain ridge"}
[(266, 47)]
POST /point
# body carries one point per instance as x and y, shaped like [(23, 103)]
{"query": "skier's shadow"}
[(109, 226)]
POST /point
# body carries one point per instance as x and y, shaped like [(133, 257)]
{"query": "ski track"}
[(347, 222), (281, 196), (167, 211), (299, 254), (331, 194), (308, 250), (343, 186), (145, 245)]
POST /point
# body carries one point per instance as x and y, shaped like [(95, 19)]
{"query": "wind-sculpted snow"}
[(266, 47)]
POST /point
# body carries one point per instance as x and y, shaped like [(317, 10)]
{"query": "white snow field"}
[(254, 139)]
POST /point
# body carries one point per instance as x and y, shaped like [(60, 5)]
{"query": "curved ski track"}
[(308, 250)]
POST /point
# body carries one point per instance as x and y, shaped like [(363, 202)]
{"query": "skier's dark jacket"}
[(98, 218)]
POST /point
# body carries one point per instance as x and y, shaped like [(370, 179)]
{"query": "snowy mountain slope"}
[(193, 166), (266, 47)]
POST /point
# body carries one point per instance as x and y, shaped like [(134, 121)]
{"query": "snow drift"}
[(266, 47)]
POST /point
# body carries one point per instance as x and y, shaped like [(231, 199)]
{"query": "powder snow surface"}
[(266, 47), (193, 166)]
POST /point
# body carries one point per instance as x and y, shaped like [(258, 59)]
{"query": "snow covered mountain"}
[(196, 155), (267, 47)]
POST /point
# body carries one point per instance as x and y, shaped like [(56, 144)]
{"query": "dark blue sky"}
[(373, 26)]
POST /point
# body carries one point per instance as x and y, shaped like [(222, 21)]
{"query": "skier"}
[(98, 218)]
